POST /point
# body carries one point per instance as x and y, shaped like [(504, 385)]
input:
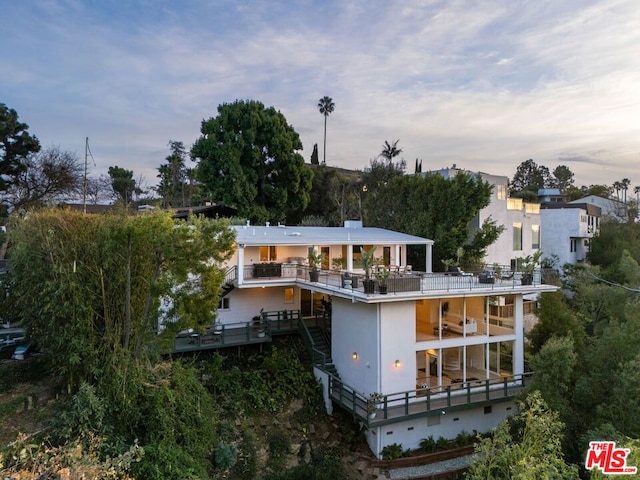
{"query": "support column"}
[(429, 264), (349, 258), (518, 326), (397, 259), (240, 264)]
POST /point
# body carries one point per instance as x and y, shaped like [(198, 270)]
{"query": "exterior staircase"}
[(320, 341), (229, 281)]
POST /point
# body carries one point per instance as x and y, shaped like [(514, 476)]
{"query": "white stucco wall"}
[(355, 328), (560, 225), (410, 432), (244, 304), (398, 342)]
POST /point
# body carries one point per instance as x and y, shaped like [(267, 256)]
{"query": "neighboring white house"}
[(445, 352), (567, 230), (521, 220), (610, 209)]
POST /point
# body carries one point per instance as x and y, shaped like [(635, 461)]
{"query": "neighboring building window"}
[(535, 236), (223, 304), (517, 236), (574, 246), (288, 295), (268, 254), (501, 192)]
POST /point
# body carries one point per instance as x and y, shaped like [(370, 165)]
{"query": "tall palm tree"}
[(391, 150), (326, 107)]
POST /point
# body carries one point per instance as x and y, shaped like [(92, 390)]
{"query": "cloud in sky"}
[(485, 85)]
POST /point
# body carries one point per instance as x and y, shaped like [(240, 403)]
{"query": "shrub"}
[(391, 452), (225, 456), (246, 467), (428, 444)]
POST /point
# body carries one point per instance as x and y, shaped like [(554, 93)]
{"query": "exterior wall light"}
[(354, 355), (397, 363)]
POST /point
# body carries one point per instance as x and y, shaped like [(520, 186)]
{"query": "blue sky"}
[(482, 84)]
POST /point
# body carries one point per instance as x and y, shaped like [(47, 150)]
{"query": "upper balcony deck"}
[(405, 285)]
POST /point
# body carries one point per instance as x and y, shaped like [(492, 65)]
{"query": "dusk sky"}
[(482, 84)]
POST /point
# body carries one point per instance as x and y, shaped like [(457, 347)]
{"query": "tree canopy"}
[(123, 183), (101, 280), (248, 157), (173, 177), (16, 143), (48, 176), (421, 205), (531, 177)]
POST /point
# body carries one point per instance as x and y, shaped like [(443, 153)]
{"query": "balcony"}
[(410, 283), (425, 402)]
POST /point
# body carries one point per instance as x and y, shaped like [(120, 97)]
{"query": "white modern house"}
[(442, 353), (567, 229), (521, 220), (611, 210)]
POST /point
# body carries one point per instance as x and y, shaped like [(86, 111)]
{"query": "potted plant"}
[(368, 260), (258, 324), (373, 404), (527, 266), (315, 262), (382, 275)]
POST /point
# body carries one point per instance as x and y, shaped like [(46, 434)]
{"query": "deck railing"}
[(424, 401), (397, 282)]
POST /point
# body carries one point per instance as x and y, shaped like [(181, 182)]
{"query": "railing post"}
[(487, 387), (505, 386), (468, 392), (448, 395), (428, 399)]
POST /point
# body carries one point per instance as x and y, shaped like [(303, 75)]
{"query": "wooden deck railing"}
[(426, 401)]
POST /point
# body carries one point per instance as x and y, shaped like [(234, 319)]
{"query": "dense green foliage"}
[(100, 281), (586, 348), (16, 143), (608, 246), (122, 183), (421, 205), (525, 446), (248, 158)]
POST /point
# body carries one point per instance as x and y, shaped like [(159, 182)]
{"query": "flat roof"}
[(286, 235)]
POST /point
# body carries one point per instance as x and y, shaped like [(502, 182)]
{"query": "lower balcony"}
[(426, 401)]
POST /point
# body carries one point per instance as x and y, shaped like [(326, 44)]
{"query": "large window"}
[(517, 236), (535, 236), (268, 254), (501, 192)]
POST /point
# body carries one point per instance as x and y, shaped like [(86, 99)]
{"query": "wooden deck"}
[(426, 402), (282, 322)]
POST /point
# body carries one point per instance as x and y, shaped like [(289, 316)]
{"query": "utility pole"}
[(84, 185)]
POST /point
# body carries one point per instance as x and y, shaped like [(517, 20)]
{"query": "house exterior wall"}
[(409, 433), (612, 210), (561, 228), (502, 250), (398, 342), (244, 304), (355, 328)]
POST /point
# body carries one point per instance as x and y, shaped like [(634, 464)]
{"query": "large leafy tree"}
[(47, 177), (16, 143), (248, 157), (122, 183), (422, 206), (100, 280), (326, 108), (530, 177)]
